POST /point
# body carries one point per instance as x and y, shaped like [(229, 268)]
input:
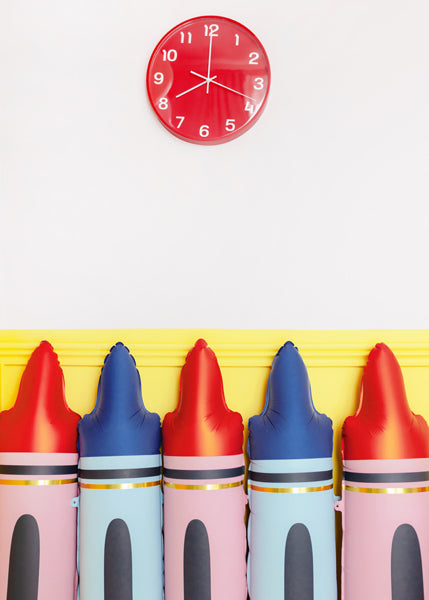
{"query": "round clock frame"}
[(208, 80)]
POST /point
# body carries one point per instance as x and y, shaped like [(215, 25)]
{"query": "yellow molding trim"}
[(234, 348)]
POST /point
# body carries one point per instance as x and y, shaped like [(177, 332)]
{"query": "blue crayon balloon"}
[(120, 526), (292, 525)]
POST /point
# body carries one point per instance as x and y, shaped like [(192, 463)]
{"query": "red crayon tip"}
[(202, 424), (40, 420), (384, 427)]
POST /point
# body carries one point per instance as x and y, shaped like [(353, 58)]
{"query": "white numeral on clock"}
[(204, 131), (230, 124), (169, 55), (163, 104), (237, 39), (183, 37), (158, 78), (253, 58), (258, 83), (181, 119), (211, 30), (249, 107)]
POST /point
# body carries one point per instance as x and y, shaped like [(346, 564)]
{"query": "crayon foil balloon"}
[(120, 535), (385, 505), (291, 526), (38, 480), (204, 500)]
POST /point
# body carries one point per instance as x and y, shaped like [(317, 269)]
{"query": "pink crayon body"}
[(47, 498), (219, 504), (373, 511)]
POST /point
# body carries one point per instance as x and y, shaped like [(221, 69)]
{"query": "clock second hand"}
[(210, 80)]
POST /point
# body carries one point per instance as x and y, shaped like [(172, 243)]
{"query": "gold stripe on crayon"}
[(392, 490), (207, 486), (37, 481), (294, 490), (118, 486)]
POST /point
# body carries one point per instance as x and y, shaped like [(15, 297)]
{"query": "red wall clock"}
[(208, 80)]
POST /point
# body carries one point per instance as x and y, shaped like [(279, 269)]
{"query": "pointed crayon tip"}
[(119, 424), (40, 420), (289, 426), (202, 424), (384, 427)]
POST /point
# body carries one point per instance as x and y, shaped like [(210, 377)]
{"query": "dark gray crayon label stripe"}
[(119, 473), (37, 469), (385, 477), (290, 477), (204, 473)]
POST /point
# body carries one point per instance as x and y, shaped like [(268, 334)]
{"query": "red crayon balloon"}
[(385, 502), (204, 500), (38, 481)]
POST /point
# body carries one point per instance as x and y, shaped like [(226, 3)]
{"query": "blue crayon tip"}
[(119, 425), (289, 427)]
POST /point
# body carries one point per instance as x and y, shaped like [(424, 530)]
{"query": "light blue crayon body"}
[(133, 506), (281, 554), (291, 529)]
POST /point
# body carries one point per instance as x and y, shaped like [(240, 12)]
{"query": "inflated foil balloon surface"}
[(120, 504), (40, 420), (289, 426), (290, 486), (384, 427), (119, 424), (202, 424)]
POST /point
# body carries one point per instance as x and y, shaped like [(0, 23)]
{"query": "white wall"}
[(315, 218)]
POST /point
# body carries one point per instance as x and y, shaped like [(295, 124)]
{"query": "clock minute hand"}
[(232, 90), (222, 85), (209, 63)]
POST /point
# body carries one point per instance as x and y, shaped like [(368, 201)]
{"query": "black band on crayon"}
[(204, 473), (290, 477), (119, 473), (386, 477), (37, 469)]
